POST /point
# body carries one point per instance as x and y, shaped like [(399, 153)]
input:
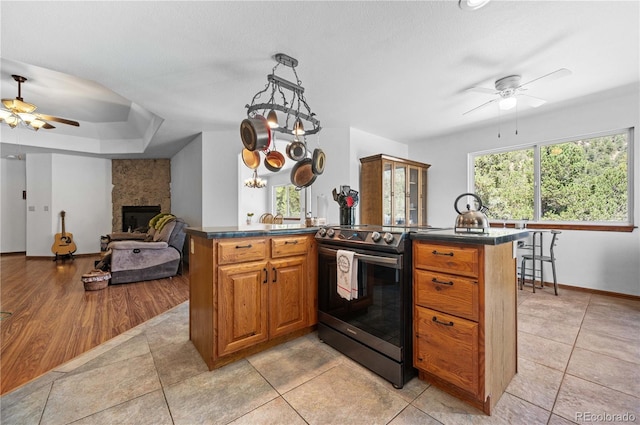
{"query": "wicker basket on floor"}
[(96, 279)]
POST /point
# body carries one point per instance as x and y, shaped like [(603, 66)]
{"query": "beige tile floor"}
[(579, 357)]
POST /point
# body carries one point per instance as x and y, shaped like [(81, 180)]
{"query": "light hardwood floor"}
[(48, 318)]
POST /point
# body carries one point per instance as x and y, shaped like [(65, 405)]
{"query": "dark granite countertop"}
[(249, 230), (493, 236)]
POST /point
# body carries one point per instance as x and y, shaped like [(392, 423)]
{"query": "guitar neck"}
[(62, 214)]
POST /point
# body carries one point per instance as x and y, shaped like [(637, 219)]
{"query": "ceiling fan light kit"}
[(508, 91), (507, 103), (17, 111)]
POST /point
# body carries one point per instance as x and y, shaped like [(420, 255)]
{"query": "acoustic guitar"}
[(63, 242)]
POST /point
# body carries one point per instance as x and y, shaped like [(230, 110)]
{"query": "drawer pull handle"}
[(450, 254), (243, 246), (434, 280), (435, 319), (291, 242), (266, 275)]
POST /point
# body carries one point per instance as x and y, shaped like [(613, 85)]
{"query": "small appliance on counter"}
[(471, 220)]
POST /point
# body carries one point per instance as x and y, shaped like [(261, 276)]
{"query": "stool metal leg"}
[(555, 281)]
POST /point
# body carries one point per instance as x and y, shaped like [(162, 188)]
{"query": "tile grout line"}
[(564, 372)]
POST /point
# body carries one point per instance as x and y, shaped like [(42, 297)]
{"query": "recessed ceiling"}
[(395, 69)]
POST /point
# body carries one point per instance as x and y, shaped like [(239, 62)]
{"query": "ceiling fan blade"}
[(57, 119), (19, 106), (47, 126), (481, 106), (532, 101), (482, 90), (558, 73)]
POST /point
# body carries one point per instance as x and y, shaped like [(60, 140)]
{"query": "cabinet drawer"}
[(241, 250), (288, 246), (446, 258), (447, 346), (447, 293)]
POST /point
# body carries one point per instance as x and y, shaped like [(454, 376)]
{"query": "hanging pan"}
[(317, 161), (302, 175), (296, 150), (251, 159), (274, 161), (255, 133)]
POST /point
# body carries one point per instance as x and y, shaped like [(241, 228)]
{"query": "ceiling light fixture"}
[(472, 4), (255, 181), (17, 111), (507, 103), (296, 110)]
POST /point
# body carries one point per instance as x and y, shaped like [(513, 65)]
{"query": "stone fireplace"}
[(139, 183)]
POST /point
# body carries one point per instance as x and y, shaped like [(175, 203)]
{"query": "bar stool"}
[(533, 257)]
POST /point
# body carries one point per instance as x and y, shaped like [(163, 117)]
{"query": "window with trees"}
[(287, 200), (576, 181)]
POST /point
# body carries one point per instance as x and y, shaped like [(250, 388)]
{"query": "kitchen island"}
[(464, 314), (251, 287)]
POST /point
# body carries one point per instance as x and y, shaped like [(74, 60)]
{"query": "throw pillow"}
[(154, 220), (164, 220), (164, 234)]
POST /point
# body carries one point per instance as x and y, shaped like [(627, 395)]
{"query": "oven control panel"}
[(360, 238)]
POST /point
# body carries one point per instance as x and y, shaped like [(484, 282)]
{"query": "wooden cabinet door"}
[(447, 346), (242, 306), (287, 295)]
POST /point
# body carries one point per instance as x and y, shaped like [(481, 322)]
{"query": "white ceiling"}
[(392, 68)]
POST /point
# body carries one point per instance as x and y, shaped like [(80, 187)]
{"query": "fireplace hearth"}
[(137, 217)]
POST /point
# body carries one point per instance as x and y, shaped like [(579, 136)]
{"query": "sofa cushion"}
[(165, 232)]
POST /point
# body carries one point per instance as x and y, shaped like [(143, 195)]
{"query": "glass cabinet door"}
[(413, 196), (399, 194), (387, 182), (422, 197)]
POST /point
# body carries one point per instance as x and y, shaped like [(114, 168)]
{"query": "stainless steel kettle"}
[(471, 220)]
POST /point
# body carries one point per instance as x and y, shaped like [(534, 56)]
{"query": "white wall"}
[(366, 144), (219, 178), (254, 200), (81, 186), (335, 144), (13, 209), (40, 230), (608, 261), (186, 183)]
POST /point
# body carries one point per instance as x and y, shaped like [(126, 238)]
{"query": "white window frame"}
[(537, 211), (273, 200)]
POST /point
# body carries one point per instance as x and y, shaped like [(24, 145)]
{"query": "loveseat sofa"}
[(154, 255)]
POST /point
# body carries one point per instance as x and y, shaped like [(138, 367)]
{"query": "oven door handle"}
[(395, 262)]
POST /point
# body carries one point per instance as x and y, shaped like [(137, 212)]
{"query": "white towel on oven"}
[(347, 267)]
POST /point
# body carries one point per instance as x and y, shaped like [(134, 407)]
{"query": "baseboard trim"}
[(588, 290), (51, 257)]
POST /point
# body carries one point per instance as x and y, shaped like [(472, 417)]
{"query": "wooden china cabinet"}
[(393, 191)]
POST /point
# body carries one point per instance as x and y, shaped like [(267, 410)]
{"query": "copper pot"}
[(274, 161), (302, 174), (251, 159), (255, 133)]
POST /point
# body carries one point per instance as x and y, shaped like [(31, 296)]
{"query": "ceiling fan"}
[(509, 91), (18, 111)]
